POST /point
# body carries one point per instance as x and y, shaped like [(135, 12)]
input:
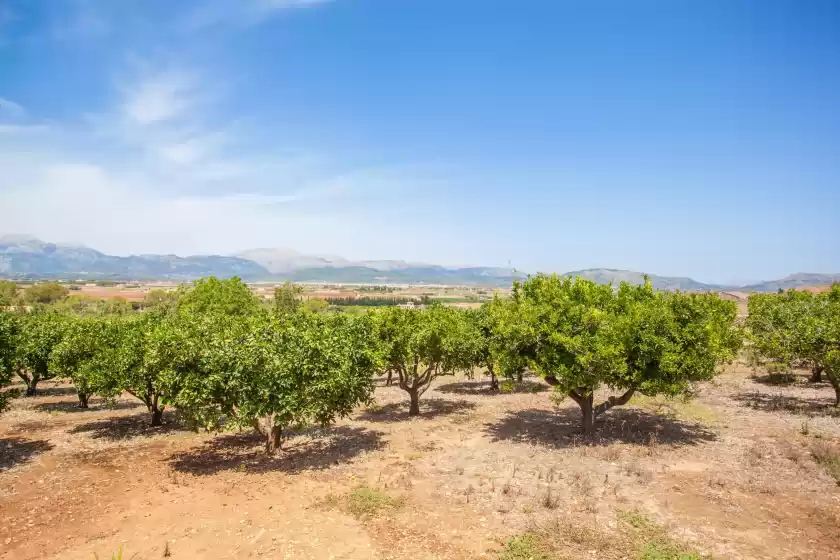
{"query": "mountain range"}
[(23, 257)]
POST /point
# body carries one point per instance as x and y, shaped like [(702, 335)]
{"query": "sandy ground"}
[(730, 473)]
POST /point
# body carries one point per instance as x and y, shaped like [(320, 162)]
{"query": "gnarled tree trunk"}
[(83, 400), (835, 382), (157, 416), (273, 434), (390, 377), (816, 373), (584, 397), (494, 381), (414, 403)]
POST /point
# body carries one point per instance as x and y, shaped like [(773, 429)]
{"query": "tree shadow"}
[(429, 408), (315, 449), (73, 406), (15, 451), (53, 391), (128, 427), (482, 388), (561, 428), (776, 402)]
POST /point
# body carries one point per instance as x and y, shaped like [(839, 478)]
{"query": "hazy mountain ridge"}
[(27, 257)]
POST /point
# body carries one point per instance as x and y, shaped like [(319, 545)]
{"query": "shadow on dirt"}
[(94, 406), (429, 408), (777, 402), (44, 391), (15, 451), (561, 428), (128, 427), (482, 388), (310, 450)]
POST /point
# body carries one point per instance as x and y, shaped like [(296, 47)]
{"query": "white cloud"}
[(23, 129), (242, 13), (11, 109), (85, 203), (162, 97)]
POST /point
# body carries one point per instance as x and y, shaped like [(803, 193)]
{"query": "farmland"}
[(732, 473), (568, 420)]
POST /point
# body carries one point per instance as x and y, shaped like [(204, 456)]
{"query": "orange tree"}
[(582, 336)]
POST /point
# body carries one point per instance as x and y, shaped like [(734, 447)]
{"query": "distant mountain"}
[(616, 277), (27, 257), (794, 281)]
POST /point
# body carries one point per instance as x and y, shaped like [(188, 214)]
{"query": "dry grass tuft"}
[(363, 501), (828, 456)]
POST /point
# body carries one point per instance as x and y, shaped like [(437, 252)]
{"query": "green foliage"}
[(9, 336), (82, 356), (287, 297), (8, 293), (378, 301), (420, 345), (269, 371), (47, 292), (315, 305), (797, 328), (86, 306), (500, 347), (579, 335), (158, 298), (213, 296), (40, 332)]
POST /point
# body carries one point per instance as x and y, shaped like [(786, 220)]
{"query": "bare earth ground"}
[(730, 474)]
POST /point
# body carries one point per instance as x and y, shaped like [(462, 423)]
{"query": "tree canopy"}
[(797, 328), (420, 345), (579, 336)]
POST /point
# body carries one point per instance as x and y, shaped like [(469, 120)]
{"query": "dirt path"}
[(730, 473)]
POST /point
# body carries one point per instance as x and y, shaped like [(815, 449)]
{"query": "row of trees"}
[(223, 359), (797, 329)]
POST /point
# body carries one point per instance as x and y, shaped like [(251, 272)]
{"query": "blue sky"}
[(680, 138)]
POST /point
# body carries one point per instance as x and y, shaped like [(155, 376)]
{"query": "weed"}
[(805, 428), (527, 546), (665, 549), (507, 386), (365, 501), (506, 489), (636, 519), (828, 456), (166, 552), (549, 501)]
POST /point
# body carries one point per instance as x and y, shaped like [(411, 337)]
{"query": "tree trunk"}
[(31, 387), (390, 378), (816, 374), (519, 377), (835, 382), (588, 423), (414, 407), (494, 381), (83, 400), (157, 416), (273, 439)]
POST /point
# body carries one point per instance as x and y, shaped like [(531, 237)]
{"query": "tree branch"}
[(551, 380), (614, 401)]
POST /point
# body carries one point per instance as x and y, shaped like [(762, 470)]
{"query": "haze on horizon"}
[(682, 139)]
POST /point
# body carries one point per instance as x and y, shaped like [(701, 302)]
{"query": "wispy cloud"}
[(161, 97), (9, 108), (243, 13), (23, 129)]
